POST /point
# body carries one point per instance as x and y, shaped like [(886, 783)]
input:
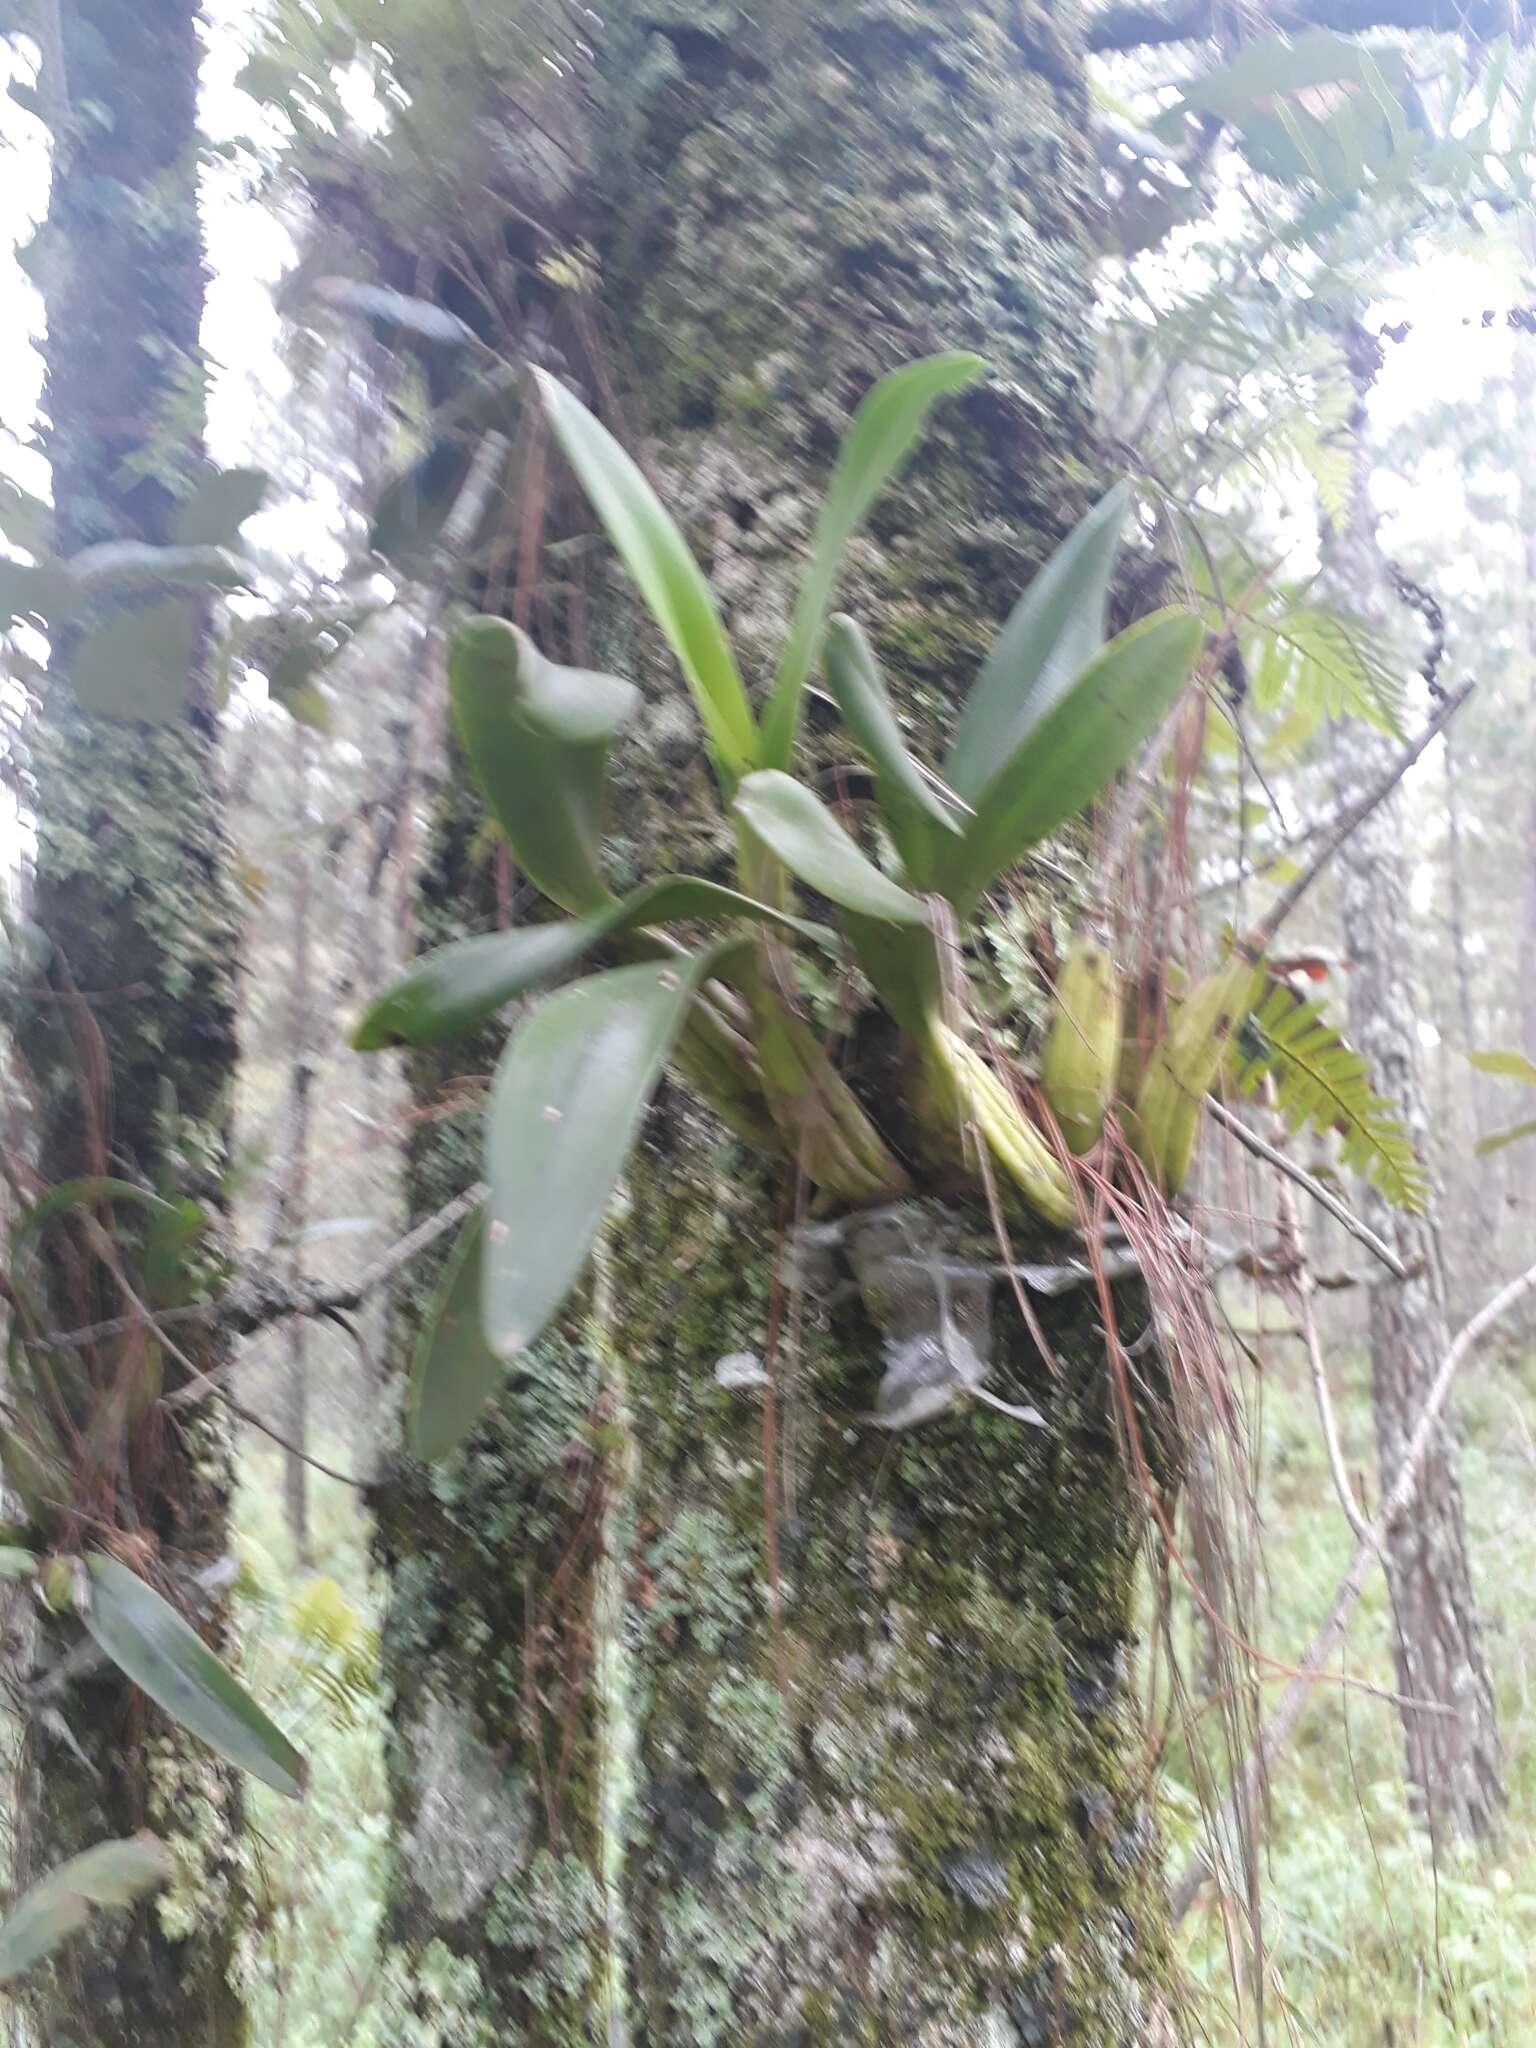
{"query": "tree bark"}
[(130, 1039), (295, 1208), (719, 1721), (1454, 1768)]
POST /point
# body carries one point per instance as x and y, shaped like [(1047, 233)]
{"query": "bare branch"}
[(1324, 1197), (1278, 1729), (1262, 935)]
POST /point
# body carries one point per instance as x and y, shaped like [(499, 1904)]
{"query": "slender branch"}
[(1324, 1197), (1134, 27), (257, 1422), (253, 1304), (1305, 1288), (1278, 1729), (1350, 821)]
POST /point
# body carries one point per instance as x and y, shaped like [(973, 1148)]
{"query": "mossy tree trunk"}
[(650, 1788), (130, 1034)]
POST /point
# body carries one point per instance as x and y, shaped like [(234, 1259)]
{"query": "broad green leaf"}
[(884, 430), (166, 1658), (43, 591), (1499, 1139), (665, 573), (16, 1563), (83, 1192), (219, 506), (131, 568), (538, 738), (796, 826), (1517, 1066), (454, 1372), (457, 986), (1110, 710), (918, 818), (1055, 629), (569, 1095), (904, 968), (59, 1905), (138, 666)]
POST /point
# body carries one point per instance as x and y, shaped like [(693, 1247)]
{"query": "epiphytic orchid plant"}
[(1052, 717)]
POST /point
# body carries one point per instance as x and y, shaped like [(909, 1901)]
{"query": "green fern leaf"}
[(1323, 663), (1321, 1081)]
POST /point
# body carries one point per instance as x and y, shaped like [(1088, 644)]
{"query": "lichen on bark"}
[(894, 1791), (128, 1032)]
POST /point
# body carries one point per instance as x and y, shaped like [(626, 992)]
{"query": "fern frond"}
[(1321, 1081), (1323, 663)]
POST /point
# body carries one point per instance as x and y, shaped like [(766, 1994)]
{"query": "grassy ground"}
[(1368, 1945)]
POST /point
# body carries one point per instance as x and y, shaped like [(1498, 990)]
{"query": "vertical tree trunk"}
[(1454, 1768), (131, 1040), (301, 1041), (649, 1788)]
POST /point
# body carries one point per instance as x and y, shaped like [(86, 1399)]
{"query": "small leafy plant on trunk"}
[(703, 975)]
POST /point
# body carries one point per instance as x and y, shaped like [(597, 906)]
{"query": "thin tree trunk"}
[(1454, 1767), (718, 1722), (301, 1039), (131, 1039), (1488, 1179)]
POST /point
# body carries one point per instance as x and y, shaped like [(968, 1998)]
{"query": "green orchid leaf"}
[(138, 665), (219, 506), (538, 737), (796, 826), (569, 1095), (59, 1905), (82, 1193), (165, 1657), (904, 968), (664, 572), (1099, 721), (918, 817), (1514, 1066), (1053, 632), (884, 431), (455, 1372), (458, 986), (1515, 1135)]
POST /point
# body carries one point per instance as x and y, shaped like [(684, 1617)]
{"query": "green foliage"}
[(1077, 741), (146, 1638), (920, 819), (1322, 1083), (884, 431), (1054, 716), (664, 573), (1319, 663), (569, 1093), (1517, 1066), (59, 1905), (454, 1371), (1053, 632), (538, 737)]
